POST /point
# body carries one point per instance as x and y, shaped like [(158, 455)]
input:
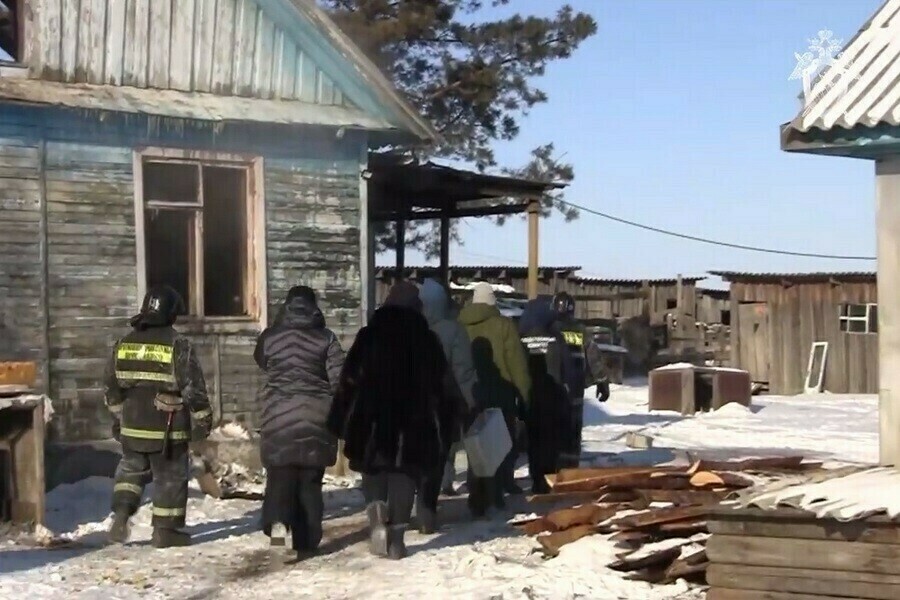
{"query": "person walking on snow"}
[(394, 413), (458, 352), (548, 363), (157, 395), (302, 361), (503, 383), (585, 364)]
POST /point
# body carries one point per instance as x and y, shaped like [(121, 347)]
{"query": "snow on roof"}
[(497, 287), (861, 87), (850, 497)]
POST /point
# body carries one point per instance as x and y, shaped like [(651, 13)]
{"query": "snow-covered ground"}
[(828, 427), (229, 558)]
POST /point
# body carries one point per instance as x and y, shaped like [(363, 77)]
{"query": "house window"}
[(859, 318), (201, 232), (10, 31)]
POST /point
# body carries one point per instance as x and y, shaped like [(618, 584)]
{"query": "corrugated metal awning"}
[(844, 497), (862, 87)]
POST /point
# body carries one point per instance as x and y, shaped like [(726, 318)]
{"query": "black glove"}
[(117, 430), (603, 390)]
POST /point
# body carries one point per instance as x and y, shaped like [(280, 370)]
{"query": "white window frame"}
[(256, 282), (847, 319)]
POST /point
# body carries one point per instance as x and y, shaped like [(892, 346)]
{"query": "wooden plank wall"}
[(22, 309), (710, 307), (801, 314), (226, 47), (91, 269), (312, 238)]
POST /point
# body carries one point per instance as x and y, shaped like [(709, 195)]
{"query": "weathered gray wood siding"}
[(22, 322), (92, 271), (312, 195), (226, 47), (804, 313)]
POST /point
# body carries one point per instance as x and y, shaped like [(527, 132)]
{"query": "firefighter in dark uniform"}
[(577, 344), (156, 392)]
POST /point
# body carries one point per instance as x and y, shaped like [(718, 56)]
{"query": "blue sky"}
[(670, 116)]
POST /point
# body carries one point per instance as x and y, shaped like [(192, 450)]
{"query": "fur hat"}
[(483, 293)]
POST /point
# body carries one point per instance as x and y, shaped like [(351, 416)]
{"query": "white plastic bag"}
[(487, 443)]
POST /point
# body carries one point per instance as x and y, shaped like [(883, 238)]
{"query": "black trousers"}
[(170, 484), (294, 498), (398, 490), (570, 457), (429, 491)]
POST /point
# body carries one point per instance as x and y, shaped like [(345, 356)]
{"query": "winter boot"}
[(279, 535), (450, 491), (119, 531), (427, 519), (166, 537), (512, 488), (396, 546), (377, 513)]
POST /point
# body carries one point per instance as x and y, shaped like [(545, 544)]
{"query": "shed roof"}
[(861, 89), (474, 271), (841, 277), (634, 282), (402, 188)]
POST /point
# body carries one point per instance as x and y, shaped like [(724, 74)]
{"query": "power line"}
[(694, 238)]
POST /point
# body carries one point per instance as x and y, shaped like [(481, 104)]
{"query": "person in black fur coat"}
[(395, 411)]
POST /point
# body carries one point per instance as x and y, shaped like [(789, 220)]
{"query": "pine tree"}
[(472, 76)]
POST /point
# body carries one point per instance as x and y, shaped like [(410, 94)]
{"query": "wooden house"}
[(215, 145), (775, 319)]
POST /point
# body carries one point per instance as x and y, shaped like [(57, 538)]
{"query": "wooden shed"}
[(215, 145), (775, 319), (835, 535)]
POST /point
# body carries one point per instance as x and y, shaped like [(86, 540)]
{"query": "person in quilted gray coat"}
[(302, 361)]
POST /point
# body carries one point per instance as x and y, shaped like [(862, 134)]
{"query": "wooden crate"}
[(787, 554), (691, 389)]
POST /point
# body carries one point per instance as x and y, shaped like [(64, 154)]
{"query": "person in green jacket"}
[(503, 382)]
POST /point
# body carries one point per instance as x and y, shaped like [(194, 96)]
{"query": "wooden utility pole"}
[(444, 268), (887, 186), (534, 215), (401, 248)]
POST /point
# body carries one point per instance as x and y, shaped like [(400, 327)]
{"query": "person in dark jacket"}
[(573, 332), (157, 395), (302, 361), (503, 383), (458, 352), (548, 364), (394, 414)]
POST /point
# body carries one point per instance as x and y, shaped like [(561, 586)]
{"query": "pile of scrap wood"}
[(656, 515)]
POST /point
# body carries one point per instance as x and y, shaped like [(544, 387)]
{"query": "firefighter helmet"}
[(162, 303), (564, 304)]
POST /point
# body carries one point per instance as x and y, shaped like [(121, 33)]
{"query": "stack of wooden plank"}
[(656, 515), (788, 554)]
